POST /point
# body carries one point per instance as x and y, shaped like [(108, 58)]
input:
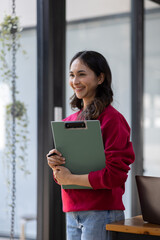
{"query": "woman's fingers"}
[(54, 151), (55, 159), (62, 175)]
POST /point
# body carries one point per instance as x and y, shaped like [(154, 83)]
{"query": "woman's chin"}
[(79, 96)]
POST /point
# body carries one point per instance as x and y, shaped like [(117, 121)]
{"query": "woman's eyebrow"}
[(78, 71)]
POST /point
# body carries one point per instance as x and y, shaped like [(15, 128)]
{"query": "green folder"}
[(80, 142)]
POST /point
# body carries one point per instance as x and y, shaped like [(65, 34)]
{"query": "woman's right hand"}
[(55, 160)]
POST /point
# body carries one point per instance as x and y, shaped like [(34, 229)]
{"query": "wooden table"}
[(134, 229)]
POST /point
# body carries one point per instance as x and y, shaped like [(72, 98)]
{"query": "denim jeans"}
[(91, 225)]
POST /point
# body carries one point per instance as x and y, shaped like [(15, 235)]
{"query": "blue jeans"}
[(91, 225)]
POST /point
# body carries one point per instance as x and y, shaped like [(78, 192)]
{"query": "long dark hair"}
[(104, 94)]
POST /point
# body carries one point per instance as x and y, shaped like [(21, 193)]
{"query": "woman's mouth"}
[(79, 89)]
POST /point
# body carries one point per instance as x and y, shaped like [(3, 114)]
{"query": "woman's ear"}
[(101, 78)]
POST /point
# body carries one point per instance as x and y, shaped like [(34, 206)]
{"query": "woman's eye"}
[(71, 75)]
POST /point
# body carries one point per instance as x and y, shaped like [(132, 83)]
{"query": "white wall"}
[(78, 9), (25, 9), (75, 9)]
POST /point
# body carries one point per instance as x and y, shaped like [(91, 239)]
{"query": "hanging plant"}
[(21, 118), (10, 28), (21, 134)]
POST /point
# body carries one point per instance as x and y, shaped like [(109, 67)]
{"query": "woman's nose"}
[(75, 80)]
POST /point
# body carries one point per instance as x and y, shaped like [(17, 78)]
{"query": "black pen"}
[(51, 154)]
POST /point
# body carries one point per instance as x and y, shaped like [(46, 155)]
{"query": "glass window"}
[(26, 186), (152, 91), (110, 36)]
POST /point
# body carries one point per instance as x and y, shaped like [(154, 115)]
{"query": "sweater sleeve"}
[(119, 155)]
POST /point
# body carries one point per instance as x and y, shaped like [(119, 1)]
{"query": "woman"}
[(89, 210)]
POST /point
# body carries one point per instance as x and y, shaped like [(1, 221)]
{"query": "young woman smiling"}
[(89, 210)]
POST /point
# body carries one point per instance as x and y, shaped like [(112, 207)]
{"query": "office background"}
[(50, 40)]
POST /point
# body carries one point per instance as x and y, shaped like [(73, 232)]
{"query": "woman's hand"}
[(56, 159), (62, 175)]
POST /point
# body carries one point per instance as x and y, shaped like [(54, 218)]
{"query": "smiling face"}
[(83, 81)]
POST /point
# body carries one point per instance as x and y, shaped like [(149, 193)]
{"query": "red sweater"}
[(108, 183)]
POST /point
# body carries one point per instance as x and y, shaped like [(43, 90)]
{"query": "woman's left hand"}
[(62, 175)]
